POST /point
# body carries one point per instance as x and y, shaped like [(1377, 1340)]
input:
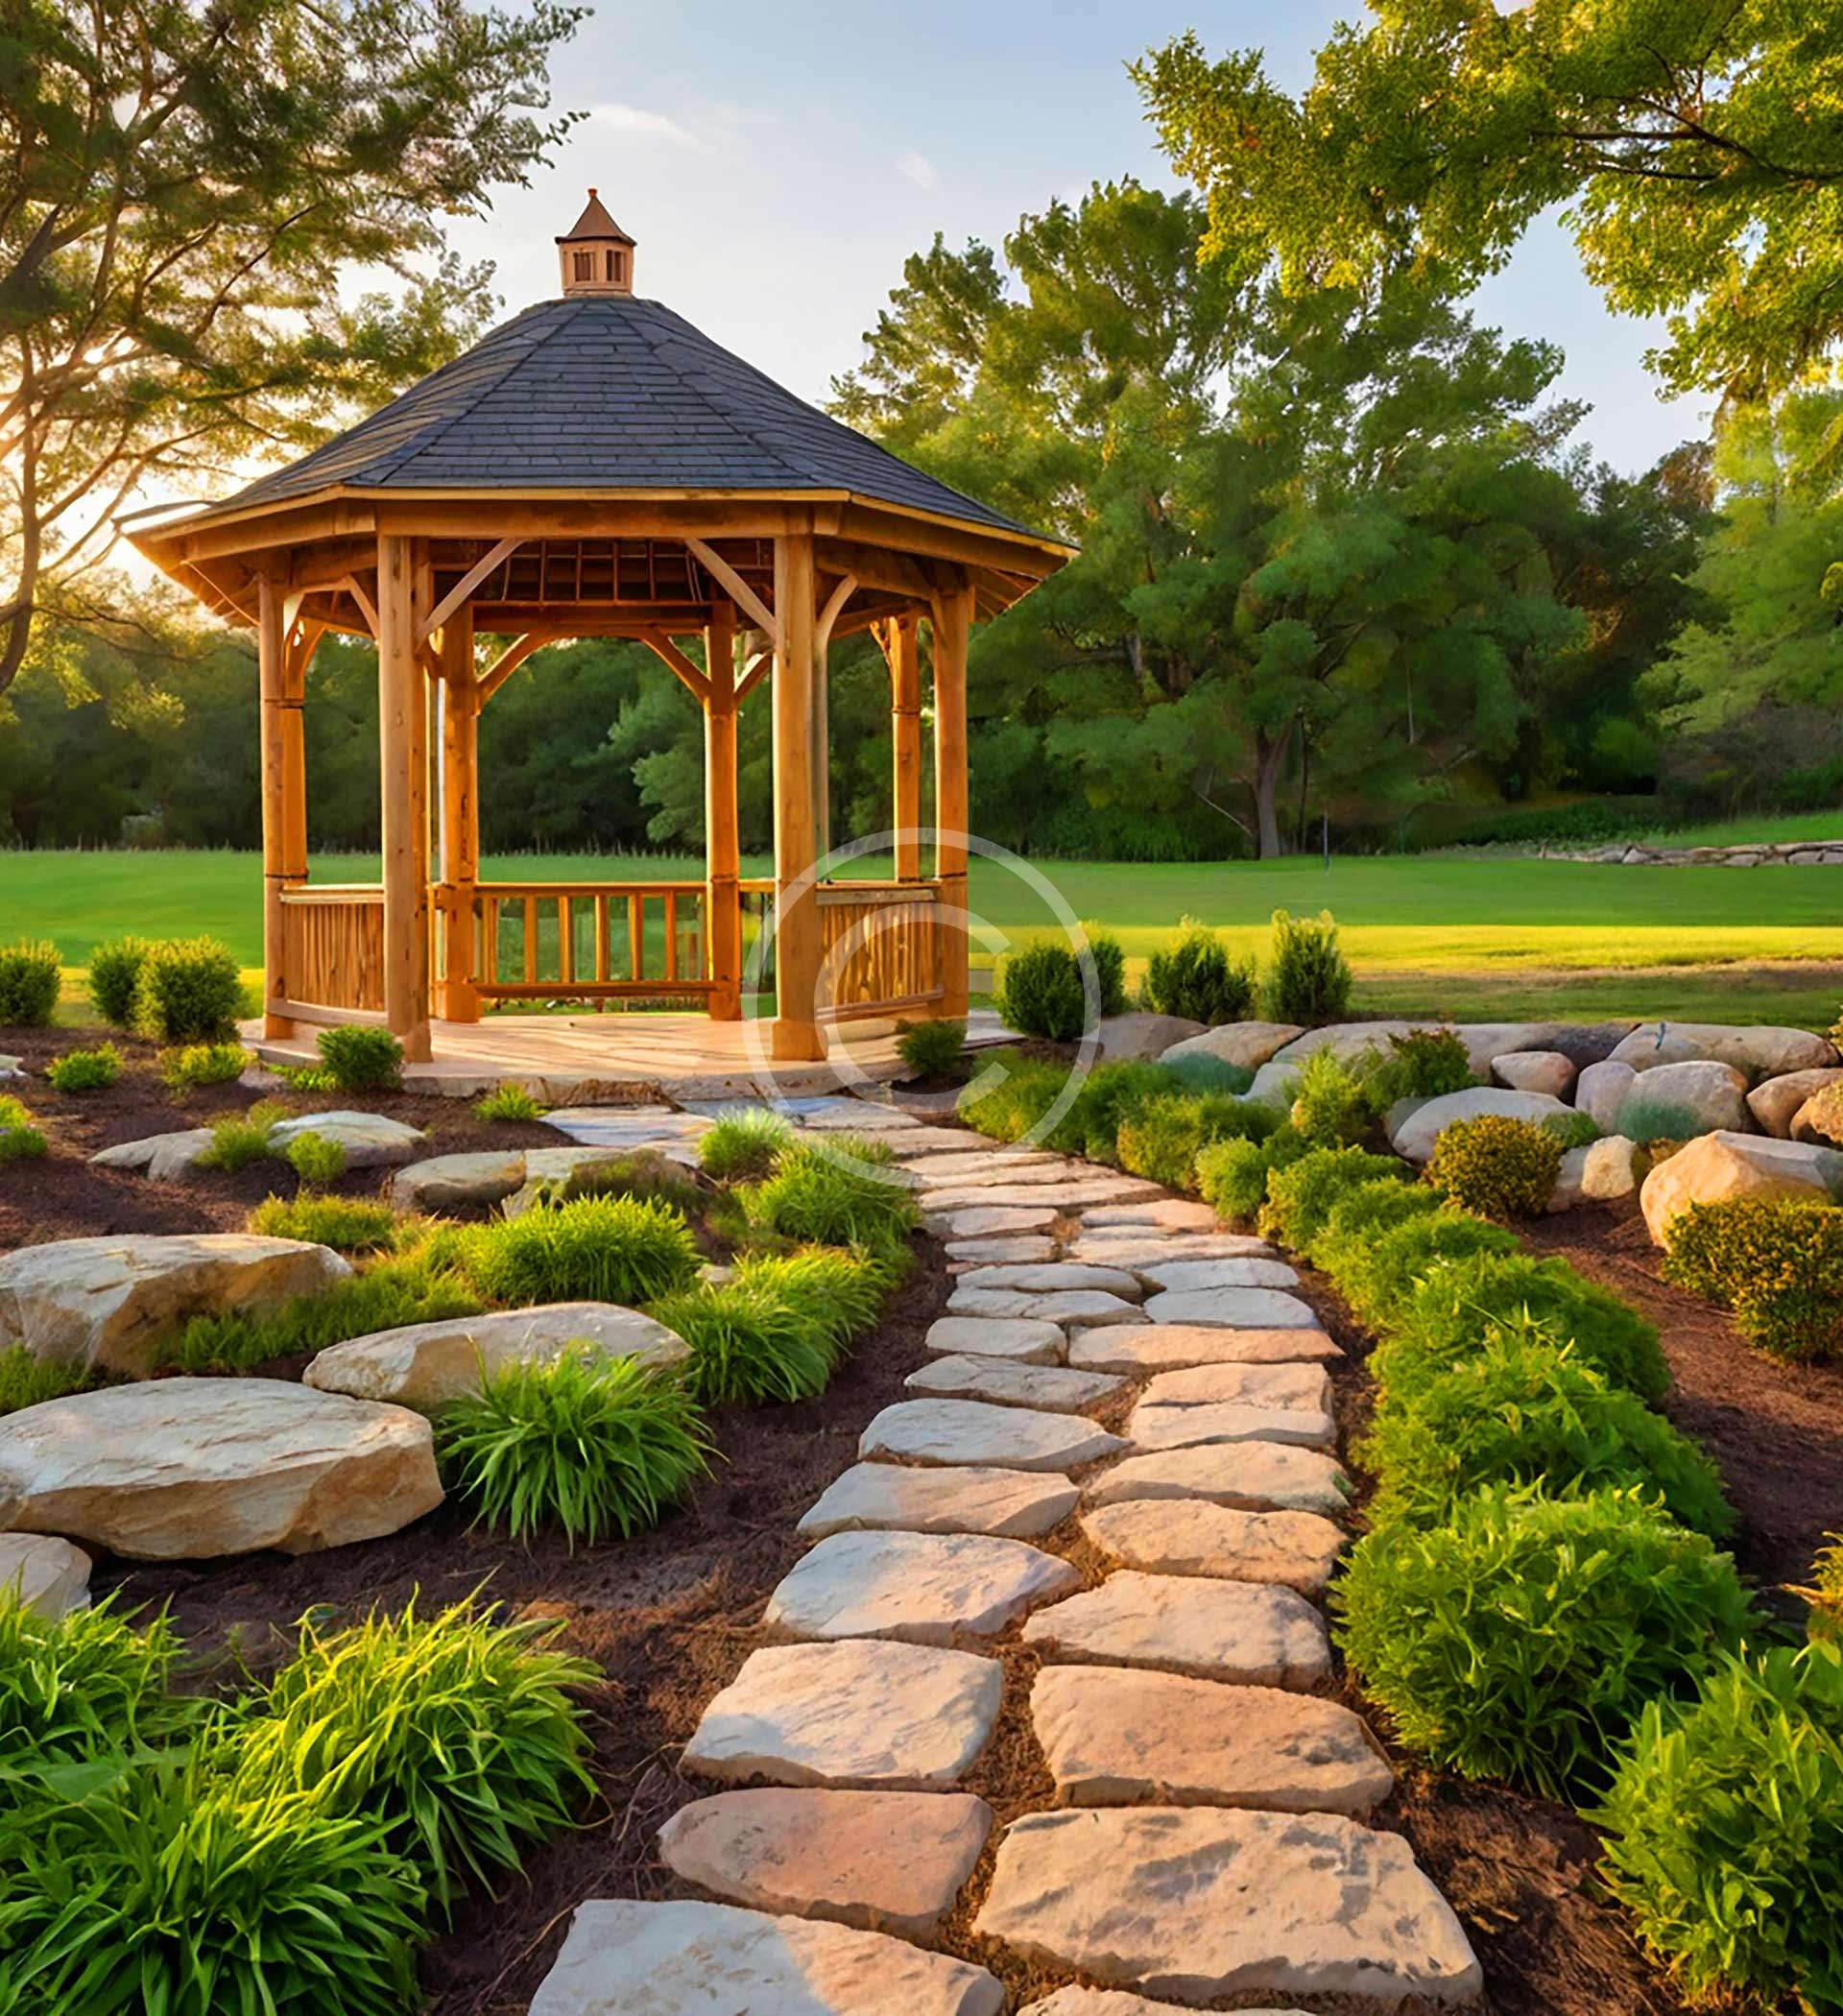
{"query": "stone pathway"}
[(1120, 1454)]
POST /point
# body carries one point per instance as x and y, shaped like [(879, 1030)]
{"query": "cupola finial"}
[(595, 255)]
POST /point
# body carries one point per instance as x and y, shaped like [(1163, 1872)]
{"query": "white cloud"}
[(918, 169), (643, 124)]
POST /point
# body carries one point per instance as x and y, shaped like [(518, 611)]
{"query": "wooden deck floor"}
[(576, 1058)]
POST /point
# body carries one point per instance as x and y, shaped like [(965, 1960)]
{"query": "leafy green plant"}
[(1331, 1104), (1041, 993), (317, 1159), (1199, 1072), (20, 1140), (80, 1686), (1525, 1637), (361, 1059), (591, 1444), (240, 1139), (838, 1291), (1108, 1097), (1196, 978), (456, 1731), (932, 1049), (1302, 1197), (195, 1063), (741, 1146), (1571, 1130), (628, 1250), (832, 1195), (1425, 1064), (1526, 1410), (115, 978), (1110, 968), (509, 1101), (190, 991), (84, 1071), (31, 976), (1309, 978), (1646, 1120), (157, 1885), (1496, 1166), (1724, 1831), (345, 1224), (1233, 1175), (1378, 1279), (1161, 1140), (749, 1344), (1360, 1216), (1825, 1594), (26, 1379), (1017, 1094), (1776, 1261)]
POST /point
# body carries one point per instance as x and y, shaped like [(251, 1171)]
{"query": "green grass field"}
[(1481, 937)]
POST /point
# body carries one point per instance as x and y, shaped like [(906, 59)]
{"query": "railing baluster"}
[(671, 934), (635, 935), (566, 942), (531, 940), (601, 938)]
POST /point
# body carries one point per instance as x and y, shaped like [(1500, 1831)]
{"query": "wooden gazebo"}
[(596, 467)]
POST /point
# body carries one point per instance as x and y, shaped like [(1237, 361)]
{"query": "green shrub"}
[(1302, 1197), (1359, 1217), (1199, 1072), (190, 991), (20, 1140), (1161, 1140), (84, 1071), (1021, 1092), (1646, 1119), (1776, 1261), (455, 1732), (1197, 979), (159, 1887), (115, 978), (1524, 1639), (1571, 1130), (196, 1063), (1425, 1063), (508, 1102), (361, 1059), (628, 1250), (1103, 1103), (1309, 978), (1041, 993), (741, 1146), (1526, 1410), (1724, 1832), (1331, 1106), (316, 1159), (1497, 1167), (1233, 1175), (82, 1686), (1110, 968), (932, 1049), (830, 1194), (240, 1139), (30, 975), (1378, 1279), (26, 1379), (591, 1444), (345, 1224), (1457, 1309)]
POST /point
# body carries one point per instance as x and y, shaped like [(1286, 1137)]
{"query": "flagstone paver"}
[(1077, 1307), (1292, 1384), (699, 1959), (1116, 2002), (982, 1220), (1196, 1903), (1242, 1631), (1115, 1737), (861, 1713), (1160, 1347), (1052, 1388), (1006, 1164), (1188, 1274), (1136, 1246), (1056, 1277), (888, 1861), (974, 1431), (1255, 1476), (1007, 1247), (1161, 1213), (1018, 1504), (1151, 1426), (922, 1588), (1232, 1309), (1029, 1340), (1193, 1537), (1061, 1195)]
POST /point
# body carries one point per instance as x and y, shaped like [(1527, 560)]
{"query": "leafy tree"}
[(1700, 147), (183, 192)]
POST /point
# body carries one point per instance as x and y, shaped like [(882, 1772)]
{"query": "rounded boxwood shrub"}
[(190, 991), (1776, 1261), (1160, 1140), (1303, 1195), (1724, 1831), (1360, 1216), (1524, 1639), (1498, 1167), (84, 1071), (116, 978), (628, 1250), (1456, 1307), (1041, 993), (1233, 1175), (1308, 981), (1525, 1410), (1197, 979), (30, 975), (361, 1059), (1377, 1281)]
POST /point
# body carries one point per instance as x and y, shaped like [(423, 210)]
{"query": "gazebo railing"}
[(881, 948), (574, 941), (332, 952)]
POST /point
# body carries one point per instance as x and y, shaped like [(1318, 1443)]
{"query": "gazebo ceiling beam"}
[(739, 592), (458, 595), (876, 566)]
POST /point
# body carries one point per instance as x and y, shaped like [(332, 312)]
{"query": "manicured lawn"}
[(1479, 937)]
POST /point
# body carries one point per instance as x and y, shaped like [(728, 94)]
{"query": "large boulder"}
[(188, 1469), (1582, 1044), (108, 1303), (1600, 1172), (1414, 1138), (1729, 1165), (1713, 1095), (444, 1182), (1601, 1090), (161, 1157), (1761, 1052), (426, 1364), (40, 1573), (1534, 1070), (1819, 1119), (1249, 1044), (1135, 1038), (558, 1174), (371, 1140), (1774, 1102)]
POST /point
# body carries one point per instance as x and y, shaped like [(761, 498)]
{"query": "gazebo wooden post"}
[(402, 728), (460, 812), (796, 1033), (903, 649), (952, 626), (722, 842), (285, 811)]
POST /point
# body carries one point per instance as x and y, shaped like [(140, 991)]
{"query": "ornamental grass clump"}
[(628, 1250), (26, 1379), (1496, 1166), (240, 1139), (456, 1734), (1525, 1410), (317, 1159), (20, 1140), (741, 1146), (1524, 1638), (1776, 1261), (1303, 1195), (509, 1101), (84, 1071), (1724, 1832), (1197, 978), (345, 1224), (591, 1446), (1362, 1215), (1017, 1094), (844, 1192), (931, 1050)]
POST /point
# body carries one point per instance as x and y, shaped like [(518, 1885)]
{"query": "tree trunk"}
[(1269, 758)]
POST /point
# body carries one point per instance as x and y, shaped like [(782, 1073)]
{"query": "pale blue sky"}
[(778, 163)]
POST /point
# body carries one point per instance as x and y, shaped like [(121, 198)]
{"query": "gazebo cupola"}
[(598, 467)]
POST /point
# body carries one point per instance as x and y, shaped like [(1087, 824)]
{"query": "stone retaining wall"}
[(1783, 854)]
